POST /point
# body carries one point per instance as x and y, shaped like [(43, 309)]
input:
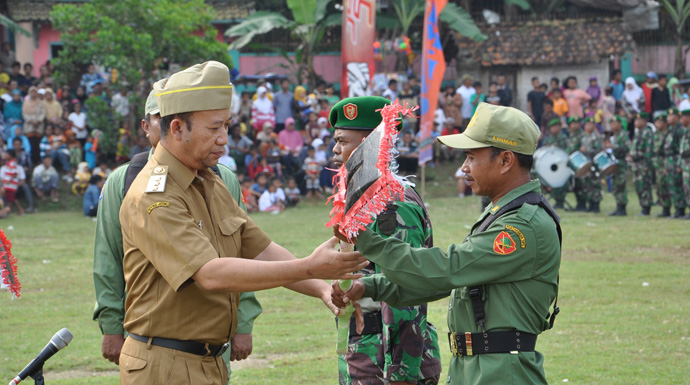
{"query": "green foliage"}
[(679, 12), (133, 36), (256, 24), (99, 117), (461, 21), (523, 4)]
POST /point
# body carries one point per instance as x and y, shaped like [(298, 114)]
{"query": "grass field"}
[(624, 296)]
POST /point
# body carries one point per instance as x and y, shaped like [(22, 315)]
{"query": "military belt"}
[(469, 344), (192, 347)]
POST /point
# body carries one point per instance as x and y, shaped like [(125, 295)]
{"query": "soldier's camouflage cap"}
[(201, 87), (358, 113), (497, 126)]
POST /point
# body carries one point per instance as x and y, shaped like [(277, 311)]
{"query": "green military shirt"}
[(574, 141), (620, 146), (516, 260), (108, 272), (592, 143), (642, 149), (559, 140)]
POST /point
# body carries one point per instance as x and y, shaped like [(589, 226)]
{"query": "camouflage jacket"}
[(592, 143), (665, 150), (642, 149), (620, 144), (559, 140), (684, 146), (574, 141)]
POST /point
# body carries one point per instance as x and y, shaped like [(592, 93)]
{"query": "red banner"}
[(433, 69), (359, 20)]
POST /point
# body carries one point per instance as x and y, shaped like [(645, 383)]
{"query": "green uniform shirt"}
[(516, 260), (108, 274)]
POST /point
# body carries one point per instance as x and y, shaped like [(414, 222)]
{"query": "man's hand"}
[(342, 300), (240, 347), (327, 263), (111, 346), (326, 298), (341, 237)]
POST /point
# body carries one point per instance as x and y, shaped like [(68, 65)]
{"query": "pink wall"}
[(657, 58), (42, 54), (327, 66)]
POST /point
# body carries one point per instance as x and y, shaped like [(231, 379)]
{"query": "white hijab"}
[(633, 96), (262, 103)]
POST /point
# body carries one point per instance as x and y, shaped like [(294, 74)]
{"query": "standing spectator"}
[(262, 110), (12, 177), (633, 95), (292, 193), (45, 180), (331, 96), (408, 158), (312, 169), (92, 194), (453, 110), (120, 103), (575, 97), (53, 107), (647, 87), (312, 129), (555, 85), (24, 161), (535, 101), (80, 95), (8, 55), (89, 79), (560, 106), (608, 108), (17, 75), (142, 145), (504, 91), (291, 138), (493, 97), (477, 97), (7, 96), (282, 102), (78, 119), (13, 114), (246, 106), (391, 93), (4, 79), (31, 80), (465, 91), (90, 151), (546, 118), (661, 98), (300, 106), (674, 90), (324, 108), (594, 90), (617, 85), (34, 114), (238, 144)]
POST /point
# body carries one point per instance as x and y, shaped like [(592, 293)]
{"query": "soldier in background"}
[(592, 144), (685, 156), (663, 144), (674, 173), (557, 139), (642, 158), (619, 144), (574, 143)]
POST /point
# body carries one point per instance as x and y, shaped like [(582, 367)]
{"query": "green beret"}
[(588, 119), (574, 119), (673, 111), (642, 115), (497, 126), (685, 112), (660, 115), (358, 113), (201, 87), (615, 118), (151, 107), (554, 122)]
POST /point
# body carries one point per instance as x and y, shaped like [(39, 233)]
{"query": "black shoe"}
[(644, 212), (558, 205), (665, 213), (687, 217), (680, 213), (581, 206), (593, 207), (620, 211)]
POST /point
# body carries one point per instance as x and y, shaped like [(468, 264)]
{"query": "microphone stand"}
[(38, 376)]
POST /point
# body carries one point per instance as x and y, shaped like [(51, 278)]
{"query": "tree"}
[(134, 37), (679, 13), (309, 22)]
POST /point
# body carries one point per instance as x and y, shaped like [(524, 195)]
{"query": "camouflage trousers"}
[(663, 188), (686, 179), (675, 186), (643, 180), (579, 190), (620, 190), (591, 188)]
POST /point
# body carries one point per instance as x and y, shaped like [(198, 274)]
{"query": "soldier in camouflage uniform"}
[(619, 144), (674, 172), (560, 140), (575, 135), (397, 345), (642, 158), (685, 156), (663, 149), (592, 144)]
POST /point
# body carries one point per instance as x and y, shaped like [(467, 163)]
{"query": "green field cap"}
[(503, 127), (151, 107), (201, 87), (358, 113)]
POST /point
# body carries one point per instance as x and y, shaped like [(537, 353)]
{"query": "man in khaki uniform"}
[(188, 247)]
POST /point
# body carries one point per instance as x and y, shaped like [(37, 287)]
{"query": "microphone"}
[(59, 341)]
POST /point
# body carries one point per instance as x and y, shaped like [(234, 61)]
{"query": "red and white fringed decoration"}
[(383, 191), (8, 267)]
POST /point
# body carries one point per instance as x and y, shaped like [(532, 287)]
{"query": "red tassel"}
[(373, 202), (8, 266)]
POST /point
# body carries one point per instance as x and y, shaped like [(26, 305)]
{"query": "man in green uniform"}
[(619, 144), (502, 279), (109, 280), (560, 140), (592, 144), (398, 345), (674, 172), (189, 249), (642, 158), (685, 156), (575, 136), (663, 145)]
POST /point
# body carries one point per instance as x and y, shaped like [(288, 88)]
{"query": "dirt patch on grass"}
[(258, 362), (674, 255)]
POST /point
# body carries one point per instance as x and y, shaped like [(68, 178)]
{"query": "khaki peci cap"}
[(497, 126), (201, 87), (151, 107)]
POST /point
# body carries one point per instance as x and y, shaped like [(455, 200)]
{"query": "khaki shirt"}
[(167, 236)]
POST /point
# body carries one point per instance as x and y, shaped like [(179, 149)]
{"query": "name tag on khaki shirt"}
[(157, 180)]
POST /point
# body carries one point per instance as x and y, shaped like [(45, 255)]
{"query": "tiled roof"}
[(30, 10), (549, 42)]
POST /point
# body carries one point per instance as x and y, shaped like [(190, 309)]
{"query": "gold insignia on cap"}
[(474, 119), (350, 111)]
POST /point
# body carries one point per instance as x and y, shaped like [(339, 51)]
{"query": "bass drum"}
[(551, 166), (580, 164), (605, 163)]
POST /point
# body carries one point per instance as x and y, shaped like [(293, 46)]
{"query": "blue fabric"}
[(90, 156), (13, 110), (25, 142), (282, 101), (617, 90), (91, 198)]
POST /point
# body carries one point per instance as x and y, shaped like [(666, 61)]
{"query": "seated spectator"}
[(292, 193), (238, 144), (92, 195), (270, 201), (408, 158), (259, 187), (103, 170), (90, 149), (13, 176), (81, 179), (312, 127), (444, 152), (324, 128), (324, 109), (291, 138), (463, 187), (13, 114), (24, 161), (227, 161), (18, 134), (141, 146), (4, 209), (273, 155), (78, 120), (45, 180), (52, 107), (250, 201), (312, 170)]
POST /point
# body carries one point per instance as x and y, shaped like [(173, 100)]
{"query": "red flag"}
[(433, 69), (357, 57)]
